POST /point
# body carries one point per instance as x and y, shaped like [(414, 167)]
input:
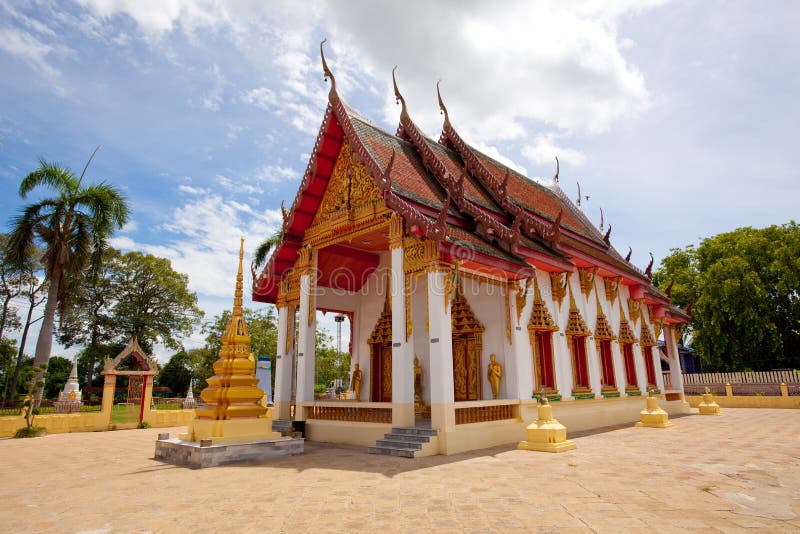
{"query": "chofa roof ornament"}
[(332, 94)]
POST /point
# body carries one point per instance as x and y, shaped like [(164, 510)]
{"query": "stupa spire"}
[(238, 295)]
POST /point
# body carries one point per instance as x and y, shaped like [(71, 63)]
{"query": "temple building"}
[(470, 288)]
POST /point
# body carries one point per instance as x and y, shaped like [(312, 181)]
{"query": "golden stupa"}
[(232, 410)]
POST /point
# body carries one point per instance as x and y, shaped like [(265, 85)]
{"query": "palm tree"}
[(264, 248), (72, 227), (261, 253)]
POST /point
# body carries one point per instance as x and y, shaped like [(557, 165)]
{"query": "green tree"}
[(744, 286), (34, 289), (152, 301), (261, 325), (72, 227), (88, 320), (176, 374), (9, 289), (57, 375), (327, 366), (7, 359)]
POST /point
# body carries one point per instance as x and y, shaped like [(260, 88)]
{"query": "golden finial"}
[(572, 305), (238, 296), (332, 95), (442, 107), (537, 295), (555, 177), (404, 117)]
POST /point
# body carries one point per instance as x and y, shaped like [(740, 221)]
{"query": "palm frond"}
[(107, 206), (60, 179), (23, 232), (264, 248)]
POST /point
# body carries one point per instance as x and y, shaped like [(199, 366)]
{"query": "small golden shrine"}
[(232, 409)]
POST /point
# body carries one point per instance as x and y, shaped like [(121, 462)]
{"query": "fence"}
[(786, 376)]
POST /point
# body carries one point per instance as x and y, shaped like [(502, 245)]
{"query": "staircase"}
[(284, 426), (409, 442)]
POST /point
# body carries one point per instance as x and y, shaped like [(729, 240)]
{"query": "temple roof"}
[(450, 192)]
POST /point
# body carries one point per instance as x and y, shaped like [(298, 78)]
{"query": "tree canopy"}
[(744, 287), (72, 227)]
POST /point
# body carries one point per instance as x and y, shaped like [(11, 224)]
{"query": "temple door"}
[(648, 365), (381, 372), (466, 369), (467, 348), (630, 365), (606, 364), (580, 364), (544, 359)]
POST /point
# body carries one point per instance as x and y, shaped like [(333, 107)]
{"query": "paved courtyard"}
[(740, 471)]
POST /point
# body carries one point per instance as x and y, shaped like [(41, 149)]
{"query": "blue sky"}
[(678, 118)]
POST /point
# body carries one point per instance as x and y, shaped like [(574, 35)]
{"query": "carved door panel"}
[(460, 369), (386, 374), (466, 369), (381, 383)]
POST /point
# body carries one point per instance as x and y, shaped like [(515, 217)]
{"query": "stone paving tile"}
[(735, 473)]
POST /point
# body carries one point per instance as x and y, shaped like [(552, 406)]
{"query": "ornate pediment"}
[(625, 333), (463, 319), (602, 329), (349, 191), (647, 337)]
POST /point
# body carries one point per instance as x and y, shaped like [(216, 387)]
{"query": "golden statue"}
[(495, 373), (419, 405), (355, 382)]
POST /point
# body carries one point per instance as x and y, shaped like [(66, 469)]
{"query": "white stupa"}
[(72, 391), (189, 402)]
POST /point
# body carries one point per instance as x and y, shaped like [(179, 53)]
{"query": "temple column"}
[(641, 372), (655, 351), (519, 354), (283, 363), (443, 415), (619, 368), (306, 331), (671, 343), (402, 349), (593, 361)]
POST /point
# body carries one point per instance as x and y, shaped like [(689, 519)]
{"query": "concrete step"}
[(408, 438), (391, 451), (281, 425), (415, 431), (405, 442), (396, 444)]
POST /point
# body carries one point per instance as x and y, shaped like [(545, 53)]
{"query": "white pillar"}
[(674, 357), (443, 416), (641, 372), (402, 351), (656, 352), (519, 354), (283, 363), (619, 367), (306, 332), (593, 361)]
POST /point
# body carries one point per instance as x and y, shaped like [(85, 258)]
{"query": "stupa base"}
[(221, 431), (197, 455)]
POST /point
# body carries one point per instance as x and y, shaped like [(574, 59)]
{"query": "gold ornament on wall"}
[(612, 288), (558, 287), (586, 276)]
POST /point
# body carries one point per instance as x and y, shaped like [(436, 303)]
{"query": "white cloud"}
[(504, 70), (262, 98), (192, 190), (239, 186), (213, 99), (277, 174), (34, 52), (202, 240), (544, 150)]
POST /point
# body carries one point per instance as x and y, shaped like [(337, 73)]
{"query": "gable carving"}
[(349, 190)]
